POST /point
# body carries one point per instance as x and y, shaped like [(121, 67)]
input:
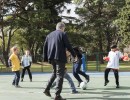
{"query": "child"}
[(70, 81), (77, 67), (15, 65), (113, 64), (26, 63)]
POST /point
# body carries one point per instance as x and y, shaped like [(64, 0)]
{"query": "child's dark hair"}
[(113, 46), (77, 51)]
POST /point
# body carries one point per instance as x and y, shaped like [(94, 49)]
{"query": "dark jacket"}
[(55, 46), (78, 52)]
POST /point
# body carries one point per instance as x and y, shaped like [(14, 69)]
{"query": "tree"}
[(97, 16), (123, 23), (7, 21), (37, 18)]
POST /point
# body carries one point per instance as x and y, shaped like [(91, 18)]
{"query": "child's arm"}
[(9, 60), (107, 58), (123, 57)]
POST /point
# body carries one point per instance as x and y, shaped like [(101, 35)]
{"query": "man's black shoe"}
[(47, 93), (59, 98)]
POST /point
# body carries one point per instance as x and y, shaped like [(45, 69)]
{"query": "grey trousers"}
[(70, 81), (58, 74)]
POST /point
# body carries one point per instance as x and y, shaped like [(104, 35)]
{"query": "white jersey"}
[(114, 58), (26, 60)]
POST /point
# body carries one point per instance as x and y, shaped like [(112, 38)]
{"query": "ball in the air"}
[(83, 85)]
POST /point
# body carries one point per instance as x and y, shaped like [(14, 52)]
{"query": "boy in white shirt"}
[(113, 64), (26, 63)]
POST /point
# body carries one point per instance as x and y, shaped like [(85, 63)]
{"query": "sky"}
[(72, 13)]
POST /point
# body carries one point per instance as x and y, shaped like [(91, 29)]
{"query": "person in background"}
[(77, 66), (15, 64), (26, 63), (113, 64)]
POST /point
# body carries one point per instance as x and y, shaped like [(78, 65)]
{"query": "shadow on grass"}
[(121, 88), (32, 87), (97, 98), (105, 95)]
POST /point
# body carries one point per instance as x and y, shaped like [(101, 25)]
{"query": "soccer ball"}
[(83, 85)]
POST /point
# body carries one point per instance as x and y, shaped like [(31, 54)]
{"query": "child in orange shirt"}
[(15, 65)]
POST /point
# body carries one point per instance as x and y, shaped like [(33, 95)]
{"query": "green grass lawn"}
[(91, 66)]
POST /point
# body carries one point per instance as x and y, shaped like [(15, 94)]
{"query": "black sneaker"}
[(17, 86), (47, 93), (106, 82), (88, 78), (59, 98), (78, 84), (21, 80), (117, 86), (74, 92), (30, 80)]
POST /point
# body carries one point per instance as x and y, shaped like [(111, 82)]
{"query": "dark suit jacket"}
[(55, 47)]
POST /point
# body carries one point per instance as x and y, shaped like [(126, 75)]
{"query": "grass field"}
[(91, 66)]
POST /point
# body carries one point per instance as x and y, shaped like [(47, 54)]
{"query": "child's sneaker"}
[(117, 86), (22, 80), (17, 86), (74, 92), (106, 82), (88, 78)]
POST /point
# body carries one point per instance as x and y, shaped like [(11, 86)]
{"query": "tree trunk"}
[(108, 41), (101, 49), (5, 56)]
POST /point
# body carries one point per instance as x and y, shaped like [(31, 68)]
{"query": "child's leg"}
[(70, 81), (29, 73), (75, 73), (23, 73), (13, 83), (116, 76), (78, 71), (83, 74), (17, 77), (106, 76)]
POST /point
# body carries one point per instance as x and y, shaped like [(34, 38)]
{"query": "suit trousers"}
[(58, 74), (70, 81)]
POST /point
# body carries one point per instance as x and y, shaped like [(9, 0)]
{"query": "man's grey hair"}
[(60, 26)]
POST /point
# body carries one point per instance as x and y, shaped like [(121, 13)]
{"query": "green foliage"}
[(97, 17), (123, 23), (36, 20), (29, 22)]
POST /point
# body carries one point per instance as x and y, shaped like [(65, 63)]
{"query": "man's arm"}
[(68, 45), (45, 49)]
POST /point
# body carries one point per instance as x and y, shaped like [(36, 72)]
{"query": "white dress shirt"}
[(26, 60), (114, 58)]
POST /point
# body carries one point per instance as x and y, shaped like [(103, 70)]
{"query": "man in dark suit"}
[(55, 47)]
